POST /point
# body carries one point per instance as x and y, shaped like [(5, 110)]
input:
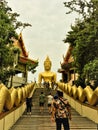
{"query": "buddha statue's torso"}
[(47, 77)]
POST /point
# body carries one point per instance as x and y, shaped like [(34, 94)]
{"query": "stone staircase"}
[(38, 121)]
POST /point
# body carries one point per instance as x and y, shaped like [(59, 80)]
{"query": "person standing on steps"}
[(50, 100), (41, 102), (61, 112), (29, 105)]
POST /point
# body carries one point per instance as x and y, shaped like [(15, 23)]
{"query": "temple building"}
[(67, 70), (21, 60)]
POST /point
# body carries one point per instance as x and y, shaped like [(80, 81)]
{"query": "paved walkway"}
[(37, 121)]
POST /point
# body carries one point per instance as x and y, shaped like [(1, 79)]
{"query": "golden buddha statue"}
[(47, 76)]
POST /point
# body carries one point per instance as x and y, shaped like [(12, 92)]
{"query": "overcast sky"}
[(50, 25)]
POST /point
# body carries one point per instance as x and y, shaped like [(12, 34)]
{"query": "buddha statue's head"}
[(47, 64)]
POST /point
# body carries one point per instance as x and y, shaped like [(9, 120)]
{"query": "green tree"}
[(8, 27), (83, 36), (91, 72)]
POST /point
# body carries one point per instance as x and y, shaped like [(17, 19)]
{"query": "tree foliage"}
[(83, 36), (91, 71), (31, 67), (8, 26)]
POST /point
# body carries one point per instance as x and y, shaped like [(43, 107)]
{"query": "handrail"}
[(86, 95), (13, 97)]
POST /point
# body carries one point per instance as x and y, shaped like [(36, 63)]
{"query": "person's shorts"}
[(41, 104), (49, 105)]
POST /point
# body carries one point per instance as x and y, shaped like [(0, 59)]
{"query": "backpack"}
[(60, 108)]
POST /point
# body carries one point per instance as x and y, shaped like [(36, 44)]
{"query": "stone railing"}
[(85, 101), (12, 103), (12, 97)]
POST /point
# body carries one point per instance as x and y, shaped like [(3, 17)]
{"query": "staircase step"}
[(38, 121)]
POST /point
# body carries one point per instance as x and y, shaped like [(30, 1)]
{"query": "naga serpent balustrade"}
[(83, 95), (13, 96)]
